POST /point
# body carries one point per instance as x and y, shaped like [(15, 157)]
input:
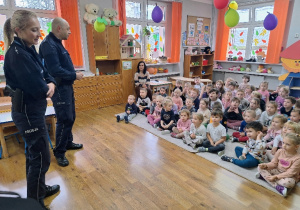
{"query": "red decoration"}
[(221, 4), (239, 53), (1, 57), (229, 44), (155, 49), (136, 36), (230, 52), (264, 41), (241, 33)]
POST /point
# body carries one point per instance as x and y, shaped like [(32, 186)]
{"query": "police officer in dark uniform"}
[(60, 66), (29, 85)]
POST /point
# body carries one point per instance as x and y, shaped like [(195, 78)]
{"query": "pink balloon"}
[(221, 4)]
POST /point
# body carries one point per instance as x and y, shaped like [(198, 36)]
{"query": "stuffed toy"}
[(248, 68), (189, 51), (91, 13), (110, 16)]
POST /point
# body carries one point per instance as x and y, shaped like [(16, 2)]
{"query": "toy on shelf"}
[(270, 70), (260, 54), (252, 59), (160, 70), (196, 63), (152, 70), (130, 47), (110, 16), (248, 68), (189, 51), (166, 70), (242, 69), (91, 13), (260, 68), (163, 59), (203, 72), (234, 58), (235, 68)]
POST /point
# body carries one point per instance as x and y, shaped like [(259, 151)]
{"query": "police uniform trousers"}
[(31, 124), (64, 105)]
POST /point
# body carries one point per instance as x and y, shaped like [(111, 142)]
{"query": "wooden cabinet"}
[(103, 47), (199, 66)]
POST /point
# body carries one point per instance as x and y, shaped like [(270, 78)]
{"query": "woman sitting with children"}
[(142, 79)]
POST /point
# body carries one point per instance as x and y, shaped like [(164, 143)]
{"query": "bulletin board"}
[(198, 31)]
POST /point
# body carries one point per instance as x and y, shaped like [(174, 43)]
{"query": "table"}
[(6, 121), (2, 86), (159, 83), (186, 79)]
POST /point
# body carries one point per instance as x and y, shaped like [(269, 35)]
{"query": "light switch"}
[(296, 35)]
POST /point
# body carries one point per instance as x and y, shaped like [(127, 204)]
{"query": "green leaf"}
[(253, 52), (127, 31), (257, 33), (232, 35), (154, 36), (161, 49)]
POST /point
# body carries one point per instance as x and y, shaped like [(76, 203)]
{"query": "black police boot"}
[(62, 161), (51, 190), (75, 146)]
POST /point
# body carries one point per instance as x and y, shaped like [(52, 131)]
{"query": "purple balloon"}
[(157, 14), (270, 22)]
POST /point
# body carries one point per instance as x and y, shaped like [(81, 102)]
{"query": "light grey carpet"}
[(249, 174)]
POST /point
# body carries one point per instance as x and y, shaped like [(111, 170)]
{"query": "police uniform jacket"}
[(24, 69), (57, 60)]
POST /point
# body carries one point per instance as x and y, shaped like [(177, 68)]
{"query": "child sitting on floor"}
[(241, 136), (143, 102), (194, 95), (262, 103), (244, 104), (283, 171), (297, 104), (178, 85), (282, 94), (154, 118), (174, 109), (245, 83), (205, 93), (254, 152), (131, 110), (234, 114), (198, 85), (197, 133), (295, 115), (216, 135), (183, 124), (231, 87), (226, 99), (220, 88), (274, 129), (267, 116), (263, 90), (186, 90), (248, 91), (213, 97), (163, 92), (153, 104), (176, 98), (254, 105), (203, 109), (167, 117), (189, 105), (288, 127), (227, 82), (288, 106)]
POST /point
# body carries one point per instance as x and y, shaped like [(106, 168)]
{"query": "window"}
[(249, 37), (138, 16), (45, 10)]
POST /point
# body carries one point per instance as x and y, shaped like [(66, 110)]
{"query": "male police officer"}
[(60, 66)]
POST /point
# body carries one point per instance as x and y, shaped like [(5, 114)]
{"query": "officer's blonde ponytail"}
[(19, 19)]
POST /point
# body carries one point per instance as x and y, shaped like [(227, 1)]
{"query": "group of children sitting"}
[(200, 115)]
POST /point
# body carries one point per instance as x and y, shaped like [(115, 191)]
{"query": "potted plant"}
[(146, 31)]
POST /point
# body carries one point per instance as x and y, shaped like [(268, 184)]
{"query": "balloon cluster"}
[(232, 17), (99, 24)]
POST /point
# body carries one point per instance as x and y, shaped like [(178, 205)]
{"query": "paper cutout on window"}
[(242, 41), (239, 53), (155, 49), (255, 42), (156, 43), (241, 34), (229, 44), (264, 41), (136, 36), (132, 30), (160, 39), (232, 35), (149, 47), (253, 52), (257, 33), (49, 24), (2, 45), (151, 29), (230, 52), (161, 49), (154, 36), (127, 31), (263, 32), (43, 34)]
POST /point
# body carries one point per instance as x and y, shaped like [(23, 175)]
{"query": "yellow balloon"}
[(233, 5), (99, 27)]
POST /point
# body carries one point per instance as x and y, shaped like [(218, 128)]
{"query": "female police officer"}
[(30, 85)]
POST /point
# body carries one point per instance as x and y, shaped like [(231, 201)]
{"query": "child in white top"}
[(249, 89), (183, 124), (244, 104), (143, 102), (283, 171), (275, 129), (228, 80), (254, 105), (199, 85), (213, 97), (263, 90), (203, 109), (153, 103), (245, 83), (154, 118), (189, 105), (254, 151), (176, 98), (197, 133), (186, 89), (216, 135), (267, 116)]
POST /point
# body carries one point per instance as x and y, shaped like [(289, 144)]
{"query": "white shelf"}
[(170, 74), (245, 72), (159, 64), (245, 62)]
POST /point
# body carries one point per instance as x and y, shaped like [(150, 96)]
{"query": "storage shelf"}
[(195, 66), (170, 74), (245, 62), (159, 64), (245, 72)]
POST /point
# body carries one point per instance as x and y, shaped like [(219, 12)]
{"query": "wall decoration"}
[(198, 32), (157, 14), (232, 18), (221, 4), (126, 65), (270, 22)]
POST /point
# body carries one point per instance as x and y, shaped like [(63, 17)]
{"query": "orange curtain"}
[(176, 31), (68, 10), (221, 37), (122, 16), (276, 36)]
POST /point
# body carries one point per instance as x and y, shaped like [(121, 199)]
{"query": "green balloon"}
[(232, 18), (99, 27)]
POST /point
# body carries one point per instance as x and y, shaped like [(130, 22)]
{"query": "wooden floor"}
[(125, 167)]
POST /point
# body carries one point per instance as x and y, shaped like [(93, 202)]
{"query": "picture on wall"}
[(198, 31)]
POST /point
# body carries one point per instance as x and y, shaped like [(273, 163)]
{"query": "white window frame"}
[(143, 21), (251, 25)]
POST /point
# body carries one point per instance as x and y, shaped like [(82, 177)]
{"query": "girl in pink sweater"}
[(283, 171), (177, 99), (226, 99), (183, 124), (274, 129), (155, 116)]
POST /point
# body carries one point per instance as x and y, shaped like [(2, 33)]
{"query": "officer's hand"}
[(79, 75), (51, 90)]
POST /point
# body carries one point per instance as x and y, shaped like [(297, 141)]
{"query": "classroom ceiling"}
[(204, 1)]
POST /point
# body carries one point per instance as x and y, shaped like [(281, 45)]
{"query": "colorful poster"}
[(191, 30)]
